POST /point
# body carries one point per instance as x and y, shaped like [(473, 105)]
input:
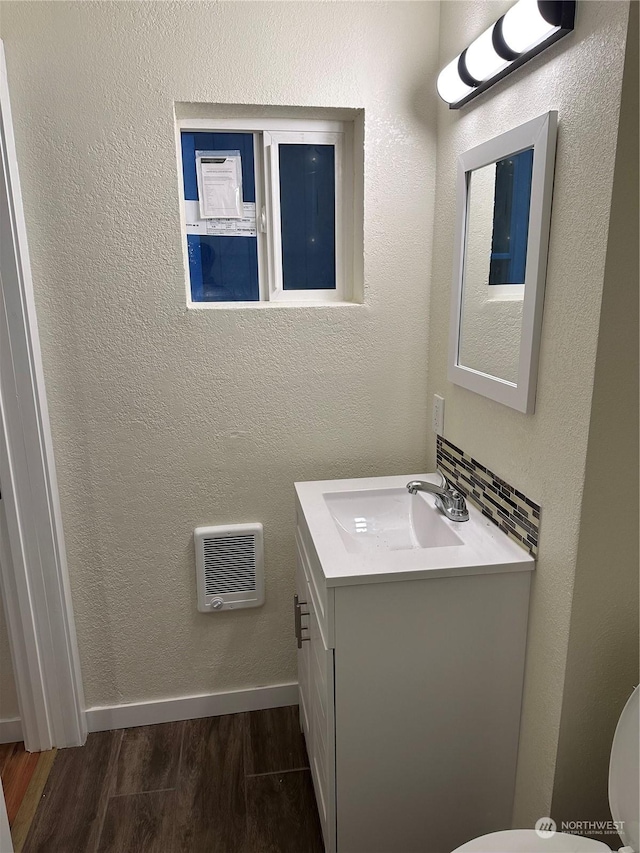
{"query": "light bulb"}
[(523, 27), (481, 59), (450, 87)]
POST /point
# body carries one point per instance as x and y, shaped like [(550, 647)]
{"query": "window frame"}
[(268, 135)]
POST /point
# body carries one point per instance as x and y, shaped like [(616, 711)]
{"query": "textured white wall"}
[(544, 454), (602, 661), (165, 419)]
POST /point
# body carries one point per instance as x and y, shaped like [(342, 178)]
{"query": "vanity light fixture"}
[(525, 30)]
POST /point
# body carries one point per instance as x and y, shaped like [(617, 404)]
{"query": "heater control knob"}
[(217, 603)]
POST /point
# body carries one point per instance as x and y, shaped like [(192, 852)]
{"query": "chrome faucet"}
[(448, 498)]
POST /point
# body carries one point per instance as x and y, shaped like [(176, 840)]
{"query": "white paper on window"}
[(219, 176)]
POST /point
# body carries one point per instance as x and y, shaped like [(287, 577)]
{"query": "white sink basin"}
[(372, 529), (389, 520)]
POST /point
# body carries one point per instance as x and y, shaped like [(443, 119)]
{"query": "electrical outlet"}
[(437, 422)]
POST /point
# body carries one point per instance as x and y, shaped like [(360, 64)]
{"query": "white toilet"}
[(624, 799)]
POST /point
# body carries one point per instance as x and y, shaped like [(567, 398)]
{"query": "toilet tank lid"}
[(623, 773)]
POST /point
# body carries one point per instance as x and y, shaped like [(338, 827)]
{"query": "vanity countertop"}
[(362, 533)]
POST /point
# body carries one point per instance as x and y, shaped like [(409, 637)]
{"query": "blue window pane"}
[(221, 269), (511, 219), (242, 142), (308, 216)]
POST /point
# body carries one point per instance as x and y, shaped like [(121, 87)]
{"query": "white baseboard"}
[(102, 719), (11, 731)]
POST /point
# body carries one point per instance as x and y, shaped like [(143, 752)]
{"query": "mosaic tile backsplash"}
[(514, 513)]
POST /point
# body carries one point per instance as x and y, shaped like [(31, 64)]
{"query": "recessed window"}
[(290, 237)]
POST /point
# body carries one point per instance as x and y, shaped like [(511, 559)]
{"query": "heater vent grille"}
[(229, 563)]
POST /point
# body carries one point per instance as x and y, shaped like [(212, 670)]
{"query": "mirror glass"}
[(495, 256)]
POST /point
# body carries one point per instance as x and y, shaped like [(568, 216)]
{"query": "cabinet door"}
[(317, 708), (302, 592), (322, 720)]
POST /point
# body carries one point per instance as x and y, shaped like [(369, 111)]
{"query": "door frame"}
[(34, 580)]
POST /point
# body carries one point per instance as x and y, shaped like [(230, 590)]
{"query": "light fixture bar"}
[(481, 59), (528, 28)]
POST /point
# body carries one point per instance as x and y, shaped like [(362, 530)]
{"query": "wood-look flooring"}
[(231, 784), (24, 775), (16, 769)]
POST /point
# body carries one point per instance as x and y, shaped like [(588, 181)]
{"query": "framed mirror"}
[(504, 189)]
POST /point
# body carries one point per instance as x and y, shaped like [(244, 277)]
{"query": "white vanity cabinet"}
[(410, 694), (317, 706)]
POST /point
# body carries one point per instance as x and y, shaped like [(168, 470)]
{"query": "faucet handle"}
[(445, 484), (450, 485)]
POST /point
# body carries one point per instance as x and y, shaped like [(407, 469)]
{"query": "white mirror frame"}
[(540, 134)]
